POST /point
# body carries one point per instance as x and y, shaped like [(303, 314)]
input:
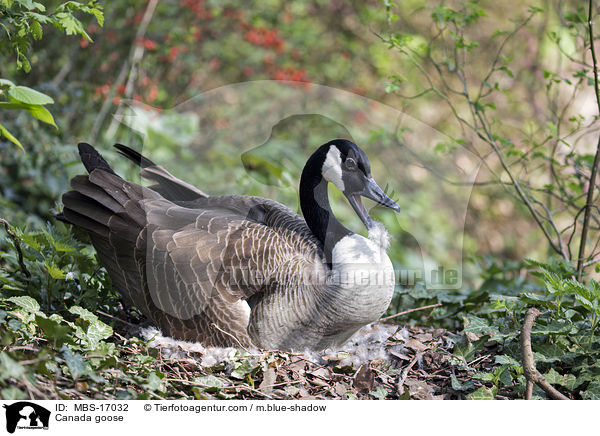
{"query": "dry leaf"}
[(269, 379), (419, 389), (471, 337), (416, 345), (364, 378), (424, 337)]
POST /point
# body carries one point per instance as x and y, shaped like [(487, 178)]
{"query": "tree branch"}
[(531, 373), (592, 181)]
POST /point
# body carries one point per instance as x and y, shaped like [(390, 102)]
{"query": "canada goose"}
[(239, 270)]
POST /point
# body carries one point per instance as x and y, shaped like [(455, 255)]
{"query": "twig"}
[(409, 311), (232, 337), (117, 319), (531, 373), (405, 372), (17, 247), (591, 262), (592, 181)]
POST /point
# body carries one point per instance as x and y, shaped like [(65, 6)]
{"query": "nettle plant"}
[(22, 22)]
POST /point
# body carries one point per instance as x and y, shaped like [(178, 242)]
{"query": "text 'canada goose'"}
[(233, 270)]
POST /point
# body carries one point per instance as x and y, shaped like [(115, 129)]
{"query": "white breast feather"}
[(363, 263)]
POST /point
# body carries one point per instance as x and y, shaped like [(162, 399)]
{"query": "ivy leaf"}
[(75, 363), (458, 386), (10, 368), (95, 330), (504, 359), (242, 368), (555, 327), (554, 378), (53, 329), (592, 392), (12, 393), (26, 303), (379, 393), (483, 393), (154, 381), (209, 383)]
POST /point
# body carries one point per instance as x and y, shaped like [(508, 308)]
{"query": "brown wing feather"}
[(187, 268)]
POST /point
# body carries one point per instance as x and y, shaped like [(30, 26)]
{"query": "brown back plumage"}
[(186, 260)]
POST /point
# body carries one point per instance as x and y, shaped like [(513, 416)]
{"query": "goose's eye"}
[(350, 164)]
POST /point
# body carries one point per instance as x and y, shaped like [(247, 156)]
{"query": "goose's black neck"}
[(314, 202)]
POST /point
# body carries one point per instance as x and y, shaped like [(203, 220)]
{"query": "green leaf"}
[(479, 326), (554, 378), (75, 363), (503, 359), (241, 368), (505, 377), (11, 105), (13, 393), (38, 17), (29, 96), (483, 393), (27, 303), (379, 393), (592, 392), (6, 82), (53, 329), (41, 113), (36, 30), (458, 386), (54, 271), (154, 381), (10, 137), (209, 383), (554, 327), (32, 240), (71, 25), (9, 368), (56, 244), (95, 330)]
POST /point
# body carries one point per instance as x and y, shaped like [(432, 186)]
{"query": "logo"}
[(26, 415)]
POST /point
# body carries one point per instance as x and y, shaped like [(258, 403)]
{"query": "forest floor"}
[(382, 361)]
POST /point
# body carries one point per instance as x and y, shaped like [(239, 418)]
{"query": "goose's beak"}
[(373, 192)]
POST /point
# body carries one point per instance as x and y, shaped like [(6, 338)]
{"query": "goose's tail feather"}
[(169, 186)]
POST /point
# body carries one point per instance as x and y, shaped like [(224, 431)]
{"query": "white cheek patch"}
[(332, 168)]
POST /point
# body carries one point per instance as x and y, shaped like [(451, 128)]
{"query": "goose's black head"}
[(344, 164), (348, 168)]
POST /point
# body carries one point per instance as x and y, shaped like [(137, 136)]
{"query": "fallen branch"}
[(531, 373), (410, 310), (17, 247)]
